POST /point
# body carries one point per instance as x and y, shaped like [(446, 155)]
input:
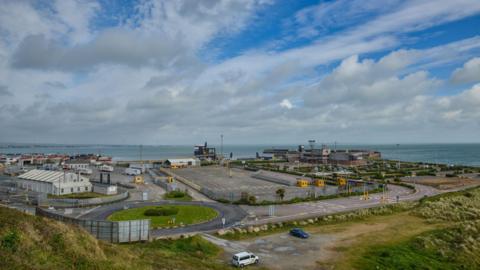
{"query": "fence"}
[(270, 193), (73, 203), (110, 231)]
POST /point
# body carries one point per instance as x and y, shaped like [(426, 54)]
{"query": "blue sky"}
[(257, 71)]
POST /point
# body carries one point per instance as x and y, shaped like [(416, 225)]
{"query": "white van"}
[(244, 258)]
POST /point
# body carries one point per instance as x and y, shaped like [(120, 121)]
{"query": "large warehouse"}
[(53, 182)]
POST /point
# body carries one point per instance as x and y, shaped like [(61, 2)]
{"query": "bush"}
[(10, 241), (175, 194), (161, 211)]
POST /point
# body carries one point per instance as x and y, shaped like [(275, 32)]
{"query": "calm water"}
[(466, 154)]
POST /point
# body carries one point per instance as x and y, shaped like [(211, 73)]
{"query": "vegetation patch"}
[(161, 211), (167, 216), (177, 196), (455, 245)]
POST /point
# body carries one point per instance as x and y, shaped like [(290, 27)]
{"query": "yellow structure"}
[(302, 183), (170, 179), (341, 181), (319, 183), (138, 179), (365, 193)]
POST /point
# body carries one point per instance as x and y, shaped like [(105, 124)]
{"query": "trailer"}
[(133, 171)]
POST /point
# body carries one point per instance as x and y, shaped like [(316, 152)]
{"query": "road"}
[(260, 214)]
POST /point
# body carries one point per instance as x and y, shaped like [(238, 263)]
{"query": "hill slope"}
[(30, 242)]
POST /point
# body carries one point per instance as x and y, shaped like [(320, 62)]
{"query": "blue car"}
[(299, 233)]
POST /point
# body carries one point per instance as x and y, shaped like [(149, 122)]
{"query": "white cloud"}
[(470, 72), (65, 81), (286, 104)]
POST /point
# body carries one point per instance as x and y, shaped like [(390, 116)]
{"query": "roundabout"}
[(196, 216)]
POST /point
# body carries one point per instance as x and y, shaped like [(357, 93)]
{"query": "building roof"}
[(42, 175), (180, 160)]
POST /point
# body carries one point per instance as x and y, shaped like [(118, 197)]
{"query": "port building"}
[(54, 182)]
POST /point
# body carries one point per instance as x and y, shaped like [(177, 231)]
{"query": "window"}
[(78, 189), (61, 191), (71, 189), (86, 188)]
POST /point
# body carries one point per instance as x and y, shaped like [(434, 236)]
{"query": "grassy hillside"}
[(455, 246), (29, 242)]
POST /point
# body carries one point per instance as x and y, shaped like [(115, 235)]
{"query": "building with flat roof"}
[(54, 182), (181, 162)]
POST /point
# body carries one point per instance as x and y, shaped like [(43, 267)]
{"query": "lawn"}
[(186, 215), (83, 195)]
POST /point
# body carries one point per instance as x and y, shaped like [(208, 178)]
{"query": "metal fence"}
[(270, 194), (110, 231)]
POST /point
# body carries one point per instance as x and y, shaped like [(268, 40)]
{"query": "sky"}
[(256, 71)]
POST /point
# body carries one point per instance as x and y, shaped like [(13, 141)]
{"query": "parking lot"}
[(218, 183), (216, 177)]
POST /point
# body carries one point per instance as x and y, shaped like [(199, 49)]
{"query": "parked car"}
[(244, 258), (297, 232)]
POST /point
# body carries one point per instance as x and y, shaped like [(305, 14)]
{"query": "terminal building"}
[(323, 155), (54, 182)]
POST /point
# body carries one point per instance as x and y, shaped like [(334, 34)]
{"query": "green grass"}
[(83, 195), (177, 196), (454, 244), (415, 254), (187, 214)]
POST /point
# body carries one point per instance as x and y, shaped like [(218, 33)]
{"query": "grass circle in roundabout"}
[(164, 215)]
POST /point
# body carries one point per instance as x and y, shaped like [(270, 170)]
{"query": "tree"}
[(252, 199), (281, 193)]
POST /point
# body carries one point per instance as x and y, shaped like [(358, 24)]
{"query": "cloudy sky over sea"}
[(257, 71)]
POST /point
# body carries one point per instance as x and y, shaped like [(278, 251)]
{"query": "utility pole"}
[(221, 145)]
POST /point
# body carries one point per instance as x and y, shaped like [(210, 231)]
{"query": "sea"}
[(455, 154)]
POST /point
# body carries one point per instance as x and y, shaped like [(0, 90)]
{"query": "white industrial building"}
[(75, 164), (182, 162), (54, 182)]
